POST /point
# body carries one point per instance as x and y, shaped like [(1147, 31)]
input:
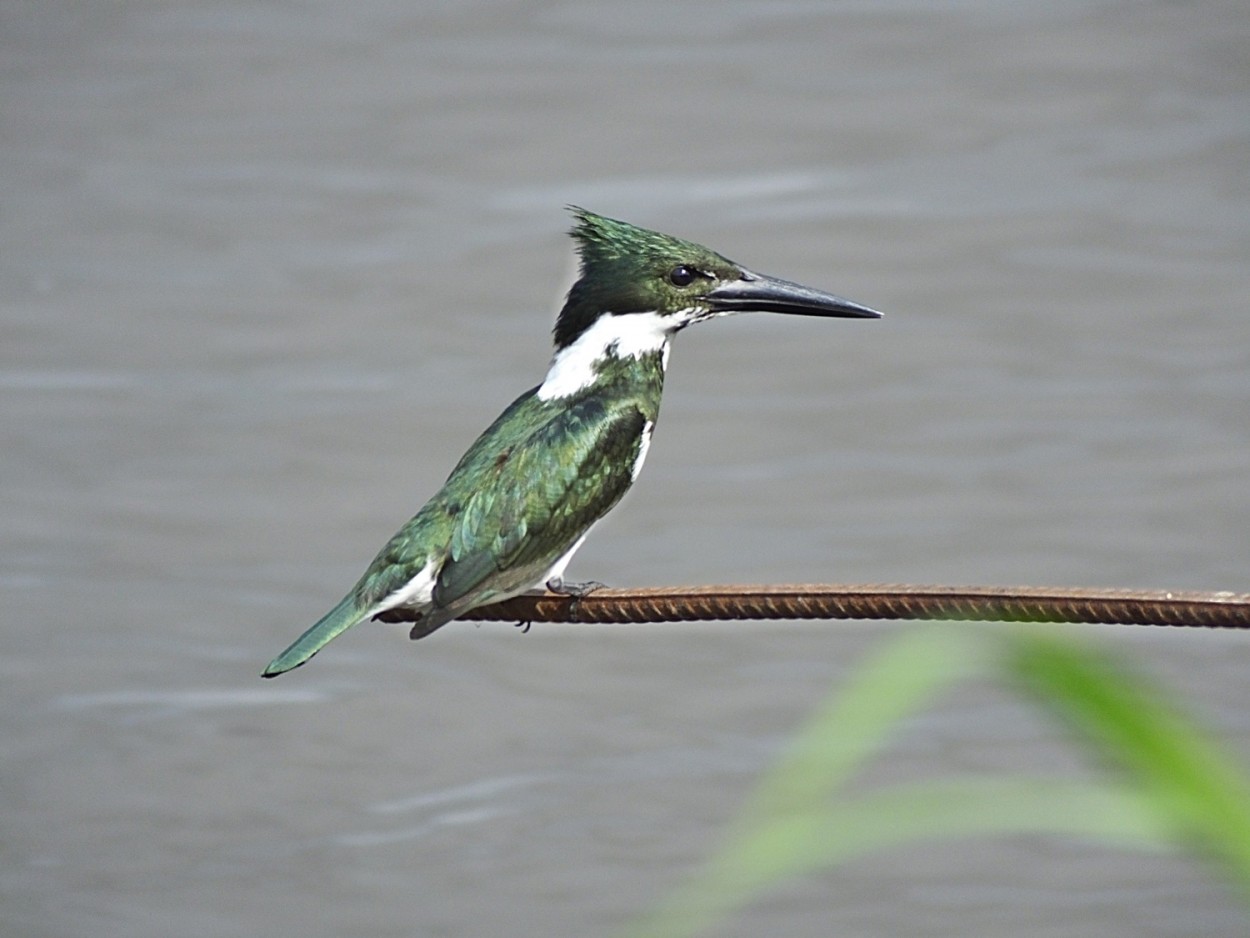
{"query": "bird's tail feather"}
[(338, 620)]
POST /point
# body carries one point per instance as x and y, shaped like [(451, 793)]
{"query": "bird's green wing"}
[(533, 497)]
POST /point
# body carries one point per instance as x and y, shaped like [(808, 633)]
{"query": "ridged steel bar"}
[(1225, 610)]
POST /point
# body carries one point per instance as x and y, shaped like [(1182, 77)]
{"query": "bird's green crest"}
[(627, 269)]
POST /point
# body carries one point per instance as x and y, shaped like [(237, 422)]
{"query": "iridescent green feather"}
[(526, 490)]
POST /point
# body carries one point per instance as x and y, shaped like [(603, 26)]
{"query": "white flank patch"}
[(417, 593), (644, 444), (628, 335)]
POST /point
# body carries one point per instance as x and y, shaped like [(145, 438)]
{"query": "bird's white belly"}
[(556, 570)]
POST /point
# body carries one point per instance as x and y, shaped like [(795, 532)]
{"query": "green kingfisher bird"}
[(521, 501)]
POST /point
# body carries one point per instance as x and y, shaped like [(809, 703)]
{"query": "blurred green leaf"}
[(1177, 781), (791, 845), (1195, 788), (761, 845), (847, 731)]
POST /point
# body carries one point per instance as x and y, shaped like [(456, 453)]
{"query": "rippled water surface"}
[(266, 270)]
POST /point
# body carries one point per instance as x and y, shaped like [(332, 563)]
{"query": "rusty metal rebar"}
[(1225, 610)]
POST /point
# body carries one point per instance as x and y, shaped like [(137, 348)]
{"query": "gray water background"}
[(266, 269)]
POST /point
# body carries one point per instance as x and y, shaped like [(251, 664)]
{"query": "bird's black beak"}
[(755, 293)]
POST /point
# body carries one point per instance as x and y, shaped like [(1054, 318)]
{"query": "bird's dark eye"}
[(681, 276)]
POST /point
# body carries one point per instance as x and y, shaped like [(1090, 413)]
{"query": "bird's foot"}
[(523, 626), (577, 591)]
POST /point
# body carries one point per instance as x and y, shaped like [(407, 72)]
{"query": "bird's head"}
[(629, 270)]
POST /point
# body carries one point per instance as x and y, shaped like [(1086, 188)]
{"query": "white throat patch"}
[(628, 335)]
